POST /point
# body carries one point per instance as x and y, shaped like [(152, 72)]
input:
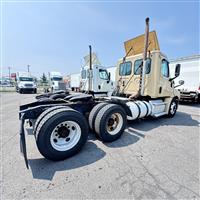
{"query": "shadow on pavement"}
[(180, 119), (133, 131), (189, 103), (45, 169), (126, 139)]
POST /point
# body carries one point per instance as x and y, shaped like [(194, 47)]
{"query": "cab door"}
[(103, 81), (165, 86), (125, 77)]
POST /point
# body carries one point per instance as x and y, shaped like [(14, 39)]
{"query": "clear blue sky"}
[(55, 35)]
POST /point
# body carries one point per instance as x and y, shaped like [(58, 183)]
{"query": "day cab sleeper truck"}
[(144, 88)]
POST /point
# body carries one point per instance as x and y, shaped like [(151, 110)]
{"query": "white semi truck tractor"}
[(101, 83), (96, 81), (55, 79), (25, 83), (144, 88)]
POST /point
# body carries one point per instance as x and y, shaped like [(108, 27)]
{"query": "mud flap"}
[(23, 140)]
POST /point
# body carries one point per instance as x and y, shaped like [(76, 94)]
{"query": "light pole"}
[(28, 66)]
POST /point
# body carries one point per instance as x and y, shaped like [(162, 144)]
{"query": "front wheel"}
[(173, 108), (61, 134), (110, 122)]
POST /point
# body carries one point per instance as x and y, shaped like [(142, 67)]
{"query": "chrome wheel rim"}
[(65, 135), (114, 124), (173, 108)]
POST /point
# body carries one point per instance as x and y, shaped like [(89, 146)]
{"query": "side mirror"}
[(181, 82), (108, 81), (109, 76), (177, 70)]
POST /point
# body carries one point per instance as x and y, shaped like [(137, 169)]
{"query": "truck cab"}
[(55, 79), (157, 84), (25, 83), (101, 83)]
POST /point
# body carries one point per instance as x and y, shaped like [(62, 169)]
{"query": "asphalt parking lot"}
[(154, 159)]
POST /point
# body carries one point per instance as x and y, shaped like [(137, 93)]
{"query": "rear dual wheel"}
[(61, 133), (109, 121)]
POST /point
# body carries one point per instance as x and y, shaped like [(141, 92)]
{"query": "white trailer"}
[(190, 74)]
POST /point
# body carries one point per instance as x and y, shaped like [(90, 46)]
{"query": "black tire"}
[(20, 91), (49, 123), (102, 119), (198, 99), (35, 91), (44, 113), (173, 108), (93, 114)]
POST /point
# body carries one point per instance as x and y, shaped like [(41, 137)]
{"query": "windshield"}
[(25, 79), (56, 79)]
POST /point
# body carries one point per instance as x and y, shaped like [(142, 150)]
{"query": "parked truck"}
[(190, 73), (144, 88), (101, 83), (55, 81), (25, 83)]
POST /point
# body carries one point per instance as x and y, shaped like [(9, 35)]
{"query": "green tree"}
[(43, 78)]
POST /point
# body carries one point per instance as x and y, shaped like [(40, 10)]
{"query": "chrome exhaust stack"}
[(143, 69)]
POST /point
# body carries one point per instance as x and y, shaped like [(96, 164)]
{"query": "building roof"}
[(185, 58)]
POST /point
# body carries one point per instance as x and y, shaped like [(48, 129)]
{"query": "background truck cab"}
[(101, 83), (25, 83), (55, 79)]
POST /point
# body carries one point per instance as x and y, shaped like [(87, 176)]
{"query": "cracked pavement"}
[(154, 159)]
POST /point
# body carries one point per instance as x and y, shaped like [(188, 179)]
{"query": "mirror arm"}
[(171, 79), (176, 86)]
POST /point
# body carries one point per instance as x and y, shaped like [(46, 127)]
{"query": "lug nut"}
[(55, 140)]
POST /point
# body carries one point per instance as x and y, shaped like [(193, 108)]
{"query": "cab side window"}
[(138, 65), (125, 68), (103, 74), (165, 68)]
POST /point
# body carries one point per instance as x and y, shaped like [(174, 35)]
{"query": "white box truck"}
[(25, 83), (190, 73)]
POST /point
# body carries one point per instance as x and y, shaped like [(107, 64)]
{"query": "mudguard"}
[(23, 140)]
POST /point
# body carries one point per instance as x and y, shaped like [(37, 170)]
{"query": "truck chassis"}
[(61, 125)]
